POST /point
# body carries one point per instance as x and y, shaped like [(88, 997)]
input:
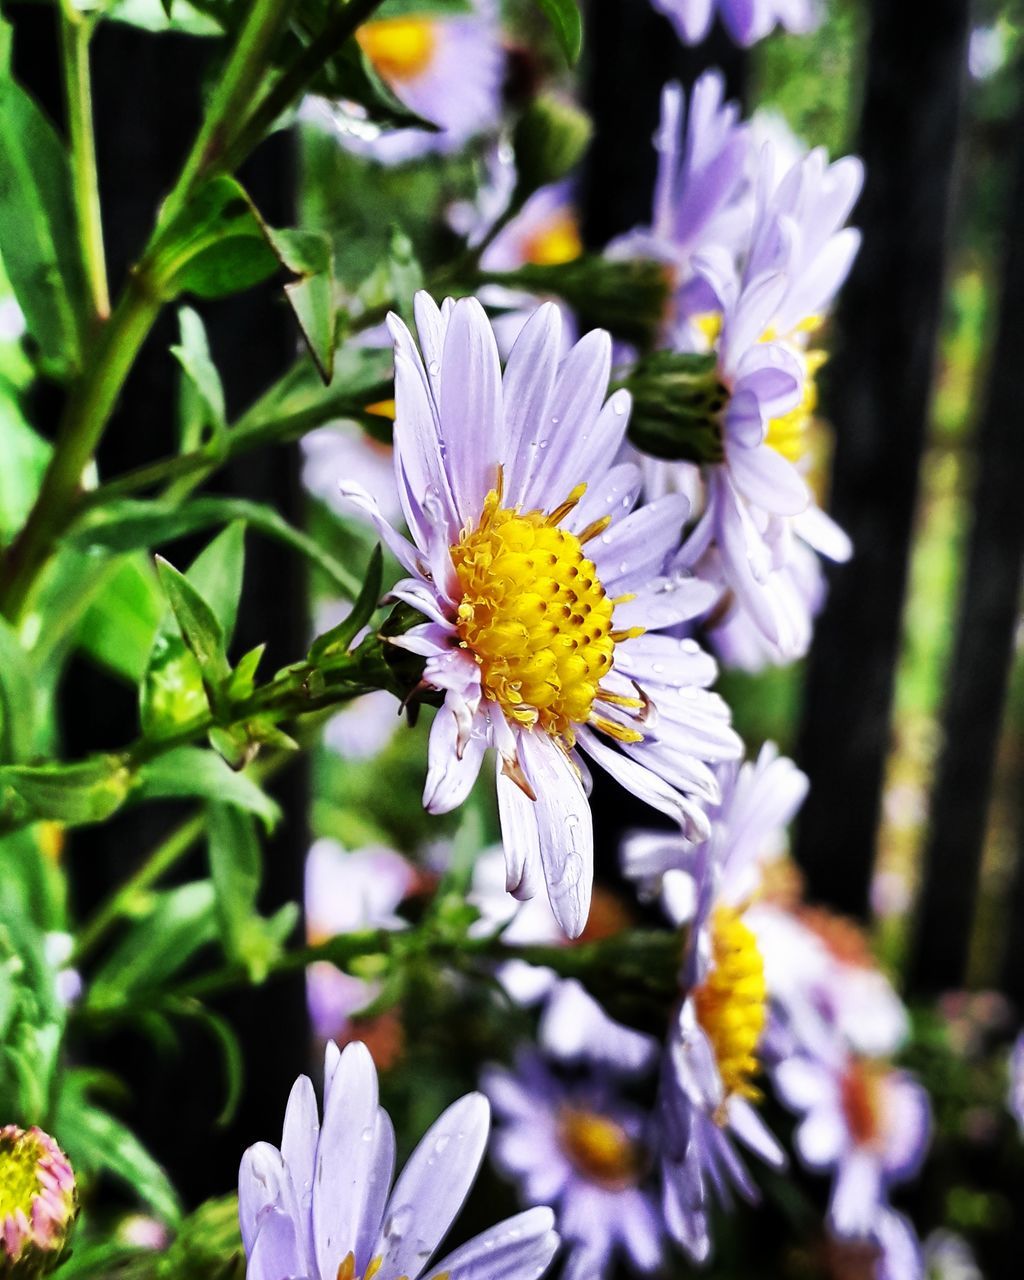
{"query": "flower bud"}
[(677, 406), (37, 1201), (549, 141)]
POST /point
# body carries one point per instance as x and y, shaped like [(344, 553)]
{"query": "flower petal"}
[(433, 1186), (521, 1248), (471, 413), (345, 1159)]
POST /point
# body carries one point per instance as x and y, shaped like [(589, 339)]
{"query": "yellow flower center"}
[(599, 1148), (732, 1002), (557, 241), (399, 48), (789, 433), (536, 618), (347, 1269)]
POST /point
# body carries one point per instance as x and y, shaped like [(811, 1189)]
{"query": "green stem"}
[(156, 865), (294, 79), (88, 410), (239, 80), (75, 34), (93, 397)]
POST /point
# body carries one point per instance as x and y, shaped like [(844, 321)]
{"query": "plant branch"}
[(75, 35)]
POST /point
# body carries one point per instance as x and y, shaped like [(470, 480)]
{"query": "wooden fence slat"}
[(983, 648), (631, 52), (878, 399)]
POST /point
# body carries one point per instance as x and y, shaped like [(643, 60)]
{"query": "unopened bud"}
[(549, 141), (37, 1202), (677, 405)]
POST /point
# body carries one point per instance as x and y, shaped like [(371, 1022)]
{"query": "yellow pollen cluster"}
[(536, 618), (556, 242), (788, 434), (399, 48), (731, 1002), (599, 1148)]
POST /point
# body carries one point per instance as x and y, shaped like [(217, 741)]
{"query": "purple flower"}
[(746, 21), (699, 197), (448, 69), (542, 593), (581, 1149), (346, 892), (319, 1208), (864, 1120)]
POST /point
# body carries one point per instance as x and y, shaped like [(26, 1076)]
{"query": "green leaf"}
[(151, 15), (173, 692), (216, 245), (25, 455), (97, 1142), (202, 395), (120, 625), (564, 16), (17, 699), (200, 628), (73, 794), (236, 867), (308, 256), (126, 524), (194, 772), (157, 946), (38, 237), (339, 638)]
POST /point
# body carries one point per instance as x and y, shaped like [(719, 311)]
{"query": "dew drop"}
[(433, 368), (441, 1144)]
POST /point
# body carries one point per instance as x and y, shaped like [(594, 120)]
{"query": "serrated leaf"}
[(564, 16), (38, 239), (193, 772)]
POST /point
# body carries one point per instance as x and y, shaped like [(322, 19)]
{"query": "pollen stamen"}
[(535, 616), (731, 1003)]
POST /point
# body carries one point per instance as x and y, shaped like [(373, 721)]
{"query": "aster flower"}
[(346, 892), (582, 1149), (700, 199), (746, 21), (322, 1207), (712, 1055), (864, 1120), (821, 979), (37, 1201), (542, 593), (447, 68)]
